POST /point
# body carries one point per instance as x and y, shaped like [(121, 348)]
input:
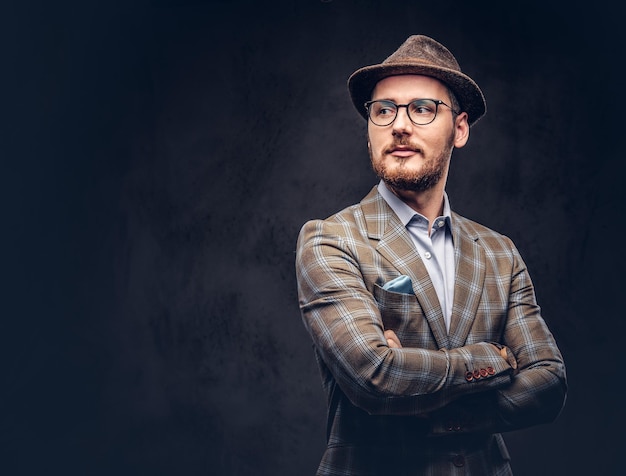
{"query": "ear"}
[(461, 130)]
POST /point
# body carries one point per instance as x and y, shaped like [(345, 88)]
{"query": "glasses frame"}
[(398, 106)]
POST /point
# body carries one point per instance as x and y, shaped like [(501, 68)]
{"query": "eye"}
[(384, 108), (422, 107)]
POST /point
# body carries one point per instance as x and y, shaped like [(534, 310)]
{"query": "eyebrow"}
[(410, 101)]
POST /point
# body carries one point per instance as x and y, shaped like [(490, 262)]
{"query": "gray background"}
[(159, 159)]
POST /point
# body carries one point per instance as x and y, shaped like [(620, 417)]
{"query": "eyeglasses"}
[(421, 111)]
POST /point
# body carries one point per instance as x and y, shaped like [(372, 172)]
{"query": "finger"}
[(392, 344), (392, 339)]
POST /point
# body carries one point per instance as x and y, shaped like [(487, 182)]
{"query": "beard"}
[(403, 178)]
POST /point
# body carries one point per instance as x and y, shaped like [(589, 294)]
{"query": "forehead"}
[(408, 87)]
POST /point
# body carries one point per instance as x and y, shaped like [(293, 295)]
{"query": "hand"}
[(392, 340)]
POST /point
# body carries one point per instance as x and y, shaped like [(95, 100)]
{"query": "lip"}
[(402, 151)]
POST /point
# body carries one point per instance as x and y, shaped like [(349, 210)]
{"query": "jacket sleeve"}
[(344, 322)]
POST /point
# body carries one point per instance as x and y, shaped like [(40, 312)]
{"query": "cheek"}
[(375, 142)]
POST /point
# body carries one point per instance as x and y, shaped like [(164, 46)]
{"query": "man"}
[(425, 324)]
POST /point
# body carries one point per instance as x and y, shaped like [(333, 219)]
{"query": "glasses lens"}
[(422, 111), (382, 113)]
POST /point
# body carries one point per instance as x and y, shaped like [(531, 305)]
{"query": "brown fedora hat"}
[(420, 54)]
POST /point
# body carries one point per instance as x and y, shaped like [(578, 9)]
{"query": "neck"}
[(427, 202)]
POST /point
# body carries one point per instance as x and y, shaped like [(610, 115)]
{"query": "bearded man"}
[(425, 324)]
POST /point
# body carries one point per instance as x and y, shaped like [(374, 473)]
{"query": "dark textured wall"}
[(159, 159)]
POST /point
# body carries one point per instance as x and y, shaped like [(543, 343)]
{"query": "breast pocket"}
[(402, 313)]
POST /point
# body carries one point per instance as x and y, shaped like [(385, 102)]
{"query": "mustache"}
[(404, 143)]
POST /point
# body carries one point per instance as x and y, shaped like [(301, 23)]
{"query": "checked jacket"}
[(439, 404)]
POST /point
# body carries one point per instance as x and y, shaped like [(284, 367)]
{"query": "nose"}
[(402, 124)]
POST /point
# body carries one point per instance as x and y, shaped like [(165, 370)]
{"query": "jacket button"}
[(483, 372), (490, 371), (477, 374), (469, 376), (458, 461)]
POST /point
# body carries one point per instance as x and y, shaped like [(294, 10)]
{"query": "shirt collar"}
[(406, 213)]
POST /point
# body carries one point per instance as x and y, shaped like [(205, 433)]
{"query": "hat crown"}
[(423, 50)]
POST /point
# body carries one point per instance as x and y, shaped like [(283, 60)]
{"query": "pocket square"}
[(401, 284)]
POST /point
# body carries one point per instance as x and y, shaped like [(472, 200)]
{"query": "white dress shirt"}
[(436, 249)]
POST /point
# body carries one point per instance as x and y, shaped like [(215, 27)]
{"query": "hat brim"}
[(471, 99)]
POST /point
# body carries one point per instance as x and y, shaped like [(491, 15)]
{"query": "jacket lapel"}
[(395, 244), (469, 281)]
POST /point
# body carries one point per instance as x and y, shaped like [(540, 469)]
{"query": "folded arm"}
[(377, 374), (345, 324)]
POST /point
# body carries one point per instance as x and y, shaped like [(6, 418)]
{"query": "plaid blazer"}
[(439, 404)]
